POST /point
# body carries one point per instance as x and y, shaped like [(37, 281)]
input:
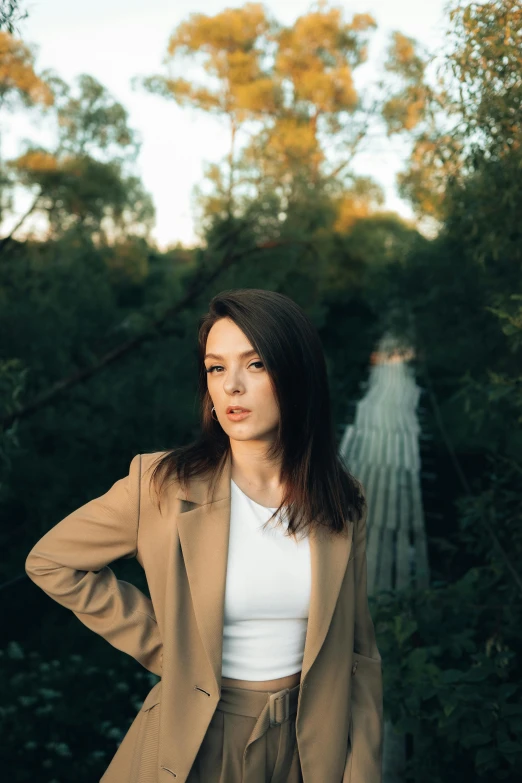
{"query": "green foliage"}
[(453, 677), (452, 653), (469, 115), (486, 60), (66, 713), (87, 193), (450, 679), (91, 122), (86, 181)]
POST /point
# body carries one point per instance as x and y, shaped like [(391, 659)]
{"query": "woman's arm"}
[(69, 563), (364, 760)]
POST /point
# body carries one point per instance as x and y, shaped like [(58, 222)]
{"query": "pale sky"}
[(114, 40)]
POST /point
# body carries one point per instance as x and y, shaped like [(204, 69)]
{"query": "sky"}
[(115, 40)]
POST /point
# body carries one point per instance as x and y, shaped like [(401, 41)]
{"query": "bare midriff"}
[(290, 681)]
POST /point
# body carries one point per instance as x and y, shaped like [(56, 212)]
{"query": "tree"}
[(10, 13), (295, 84), (461, 294), (425, 112), (19, 83), (85, 180), (472, 110)]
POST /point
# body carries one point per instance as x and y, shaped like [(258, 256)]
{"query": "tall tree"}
[(292, 85), (231, 47), (472, 108), (19, 84), (426, 112), (86, 179)]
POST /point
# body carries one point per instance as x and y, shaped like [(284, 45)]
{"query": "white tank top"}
[(267, 594)]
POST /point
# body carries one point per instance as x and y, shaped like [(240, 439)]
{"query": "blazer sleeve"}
[(70, 564), (364, 759)]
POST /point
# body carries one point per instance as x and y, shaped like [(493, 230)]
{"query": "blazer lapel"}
[(204, 529)]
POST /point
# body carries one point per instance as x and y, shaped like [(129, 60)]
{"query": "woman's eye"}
[(216, 366)]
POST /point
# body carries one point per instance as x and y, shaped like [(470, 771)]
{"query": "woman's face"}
[(239, 381)]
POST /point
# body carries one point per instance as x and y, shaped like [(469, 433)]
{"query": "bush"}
[(451, 654), (50, 714)]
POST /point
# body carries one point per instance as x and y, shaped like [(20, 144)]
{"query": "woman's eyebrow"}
[(241, 355)]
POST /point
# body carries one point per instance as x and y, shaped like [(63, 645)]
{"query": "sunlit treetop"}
[(17, 75)]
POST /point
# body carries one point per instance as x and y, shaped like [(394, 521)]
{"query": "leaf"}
[(485, 755), (451, 675)]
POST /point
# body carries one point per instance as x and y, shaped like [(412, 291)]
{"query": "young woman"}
[(253, 541)]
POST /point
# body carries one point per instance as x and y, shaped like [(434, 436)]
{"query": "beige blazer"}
[(177, 633)]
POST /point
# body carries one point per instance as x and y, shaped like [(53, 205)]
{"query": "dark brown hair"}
[(319, 490)]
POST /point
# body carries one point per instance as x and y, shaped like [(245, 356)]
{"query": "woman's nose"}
[(233, 383)]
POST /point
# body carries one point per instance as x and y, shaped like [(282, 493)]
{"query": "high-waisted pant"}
[(251, 738)]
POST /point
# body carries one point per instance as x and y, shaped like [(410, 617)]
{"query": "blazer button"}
[(354, 667)]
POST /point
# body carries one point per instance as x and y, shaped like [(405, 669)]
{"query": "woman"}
[(253, 541)]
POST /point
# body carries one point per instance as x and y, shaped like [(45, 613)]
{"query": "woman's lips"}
[(238, 416)]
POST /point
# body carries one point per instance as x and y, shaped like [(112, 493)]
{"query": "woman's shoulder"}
[(155, 482), (149, 459)]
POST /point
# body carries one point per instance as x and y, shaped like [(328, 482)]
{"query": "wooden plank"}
[(347, 440), (373, 536), (421, 549), (387, 554), (403, 578)]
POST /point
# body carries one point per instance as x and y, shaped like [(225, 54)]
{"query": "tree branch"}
[(6, 240)]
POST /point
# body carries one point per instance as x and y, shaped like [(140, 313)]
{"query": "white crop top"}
[(267, 594)]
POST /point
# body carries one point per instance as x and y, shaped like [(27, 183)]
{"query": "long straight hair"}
[(319, 490)]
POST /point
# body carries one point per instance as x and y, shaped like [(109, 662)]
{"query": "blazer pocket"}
[(365, 659)]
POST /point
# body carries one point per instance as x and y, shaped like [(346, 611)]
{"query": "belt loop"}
[(281, 698)]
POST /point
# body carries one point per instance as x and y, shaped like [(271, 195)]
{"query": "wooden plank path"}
[(381, 448)]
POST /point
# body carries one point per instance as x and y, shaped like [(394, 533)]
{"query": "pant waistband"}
[(242, 701)]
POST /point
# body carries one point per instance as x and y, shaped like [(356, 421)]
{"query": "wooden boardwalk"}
[(381, 448)]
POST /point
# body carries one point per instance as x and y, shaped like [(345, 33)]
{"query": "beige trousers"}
[(250, 739)]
